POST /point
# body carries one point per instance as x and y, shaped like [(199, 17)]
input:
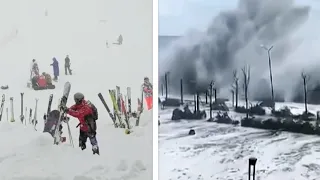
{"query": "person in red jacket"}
[(147, 89), (82, 110)]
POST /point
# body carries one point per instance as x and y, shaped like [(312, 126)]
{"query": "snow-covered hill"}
[(220, 151), (80, 29)]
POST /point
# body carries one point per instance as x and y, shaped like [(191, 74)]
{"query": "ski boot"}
[(63, 139), (122, 125), (82, 146), (95, 149)]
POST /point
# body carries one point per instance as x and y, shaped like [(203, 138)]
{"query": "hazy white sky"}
[(177, 16)]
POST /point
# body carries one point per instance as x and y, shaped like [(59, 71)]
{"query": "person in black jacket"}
[(67, 65)]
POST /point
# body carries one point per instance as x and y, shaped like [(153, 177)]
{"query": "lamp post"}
[(166, 81), (270, 71)]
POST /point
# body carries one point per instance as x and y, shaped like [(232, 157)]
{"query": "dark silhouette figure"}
[(55, 66), (67, 65)]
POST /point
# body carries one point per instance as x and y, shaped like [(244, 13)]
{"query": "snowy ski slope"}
[(80, 29), (221, 152)]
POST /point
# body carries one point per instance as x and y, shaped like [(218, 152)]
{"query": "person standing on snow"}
[(147, 86), (34, 68), (83, 111), (67, 65), (147, 89), (120, 39), (55, 66)]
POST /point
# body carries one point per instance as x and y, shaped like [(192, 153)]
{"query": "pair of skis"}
[(116, 110), (117, 95), (34, 121), (116, 113), (122, 106), (2, 107), (22, 117)]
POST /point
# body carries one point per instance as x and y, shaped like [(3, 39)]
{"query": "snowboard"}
[(66, 91), (51, 122)]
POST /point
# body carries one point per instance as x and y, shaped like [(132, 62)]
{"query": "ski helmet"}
[(146, 79), (44, 73), (78, 97)]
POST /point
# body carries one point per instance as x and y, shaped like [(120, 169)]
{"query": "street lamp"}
[(166, 81), (270, 71)]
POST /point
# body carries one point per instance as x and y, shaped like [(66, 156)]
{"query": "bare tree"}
[(235, 86), (305, 79), (246, 81)]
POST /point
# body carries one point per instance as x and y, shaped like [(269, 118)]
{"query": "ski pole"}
[(12, 110), (21, 112), (35, 118), (70, 135), (25, 116)]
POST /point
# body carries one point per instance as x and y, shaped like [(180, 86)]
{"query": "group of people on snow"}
[(87, 115), (83, 110), (36, 76)]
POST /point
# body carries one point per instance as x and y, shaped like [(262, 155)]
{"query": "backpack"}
[(94, 111)]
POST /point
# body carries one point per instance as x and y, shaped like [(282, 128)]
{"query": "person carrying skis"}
[(147, 89), (67, 65), (55, 66), (83, 111)]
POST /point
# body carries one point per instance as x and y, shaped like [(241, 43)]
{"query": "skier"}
[(55, 66), (147, 88), (34, 68), (67, 65), (120, 39), (83, 111)]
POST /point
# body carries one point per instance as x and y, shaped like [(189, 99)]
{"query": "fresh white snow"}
[(80, 29), (221, 152)]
